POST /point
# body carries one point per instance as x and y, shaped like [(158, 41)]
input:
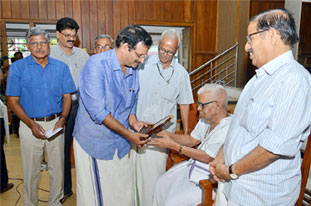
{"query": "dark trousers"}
[(68, 139), (4, 171)]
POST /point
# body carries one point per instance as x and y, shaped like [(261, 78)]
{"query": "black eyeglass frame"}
[(202, 105)]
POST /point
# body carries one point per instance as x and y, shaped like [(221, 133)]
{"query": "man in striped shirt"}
[(260, 160)]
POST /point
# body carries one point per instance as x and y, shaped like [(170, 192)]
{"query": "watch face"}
[(234, 176)]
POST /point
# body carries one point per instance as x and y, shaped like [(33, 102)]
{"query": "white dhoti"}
[(150, 165), (174, 188), (103, 182)]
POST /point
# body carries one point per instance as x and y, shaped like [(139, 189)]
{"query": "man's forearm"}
[(66, 104), (184, 139), (115, 125), (184, 113), (257, 159)]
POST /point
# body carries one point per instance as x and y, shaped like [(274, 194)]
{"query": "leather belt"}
[(48, 118)]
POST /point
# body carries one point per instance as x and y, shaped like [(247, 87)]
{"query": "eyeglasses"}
[(68, 36), (201, 105), (36, 43), (140, 56), (166, 52), (107, 46), (248, 37)]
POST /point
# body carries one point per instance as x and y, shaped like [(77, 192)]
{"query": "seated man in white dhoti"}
[(180, 185)]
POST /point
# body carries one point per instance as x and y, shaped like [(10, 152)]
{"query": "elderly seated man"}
[(179, 186)]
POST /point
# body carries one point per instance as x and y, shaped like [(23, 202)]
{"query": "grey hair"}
[(217, 91), (34, 31), (171, 33), (104, 36), (282, 21)]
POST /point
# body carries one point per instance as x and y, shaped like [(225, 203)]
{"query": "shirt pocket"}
[(255, 117), (169, 94)]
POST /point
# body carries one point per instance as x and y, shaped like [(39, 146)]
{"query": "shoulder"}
[(81, 52), (57, 62)]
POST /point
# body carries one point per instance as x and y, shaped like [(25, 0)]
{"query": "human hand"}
[(59, 124), (139, 124), (138, 139), (163, 141), (219, 170), (37, 130)]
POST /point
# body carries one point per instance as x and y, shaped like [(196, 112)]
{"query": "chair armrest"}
[(207, 191)]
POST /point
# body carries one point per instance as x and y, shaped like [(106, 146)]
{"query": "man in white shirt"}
[(260, 160), (164, 83), (180, 185)]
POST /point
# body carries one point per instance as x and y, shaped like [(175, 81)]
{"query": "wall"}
[(110, 16)]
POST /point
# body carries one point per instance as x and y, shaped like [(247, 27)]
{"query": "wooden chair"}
[(208, 184)]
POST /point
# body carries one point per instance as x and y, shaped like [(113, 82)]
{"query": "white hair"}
[(217, 90), (171, 33)]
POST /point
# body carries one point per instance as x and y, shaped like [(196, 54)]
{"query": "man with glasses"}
[(260, 160), (75, 58), (164, 84), (103, 42), (38, 92), (109, 88), (180, 185)]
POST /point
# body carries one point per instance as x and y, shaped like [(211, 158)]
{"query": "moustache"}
[(39, 51), (71, 41)]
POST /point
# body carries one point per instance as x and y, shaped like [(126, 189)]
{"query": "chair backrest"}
[(305, 168)]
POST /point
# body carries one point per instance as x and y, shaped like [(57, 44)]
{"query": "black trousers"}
[(4, 171), (68, 139)]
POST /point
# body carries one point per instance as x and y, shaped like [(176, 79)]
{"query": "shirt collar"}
[(31, 60), (116, 63), (156, 60), (273, 65)]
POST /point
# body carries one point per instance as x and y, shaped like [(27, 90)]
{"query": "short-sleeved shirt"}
[(211, 141), (161, 90), (105, 90), (75, 61), (40, 89)]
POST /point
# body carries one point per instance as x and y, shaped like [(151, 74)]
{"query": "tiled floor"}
[(14, 164)]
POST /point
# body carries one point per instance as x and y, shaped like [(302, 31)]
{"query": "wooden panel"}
[(42, 6), (258, 6), (206, 25), (124, 11), (6, 9), (51, 14), (25, 13), (1, 10), (85, 29), (305, 29), (68, 8), (117, 17), (16, 9), (93, 24), (109, 20), (77, 17), (60, 9), (34, 9)]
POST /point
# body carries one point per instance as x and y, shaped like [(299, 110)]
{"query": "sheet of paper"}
[(50, 132)]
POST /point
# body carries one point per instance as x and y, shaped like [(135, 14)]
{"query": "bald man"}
[(180, 185), (164, 84)]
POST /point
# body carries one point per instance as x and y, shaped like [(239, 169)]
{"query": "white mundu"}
[(176, 187), (157, 99)]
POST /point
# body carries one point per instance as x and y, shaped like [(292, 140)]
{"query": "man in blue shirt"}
[(38, 90), (108, 88)]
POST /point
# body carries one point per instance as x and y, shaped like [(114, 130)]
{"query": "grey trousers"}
[(32, 150)]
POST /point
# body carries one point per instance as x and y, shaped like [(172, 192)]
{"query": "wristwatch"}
[(232, 175), (63, 116)]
